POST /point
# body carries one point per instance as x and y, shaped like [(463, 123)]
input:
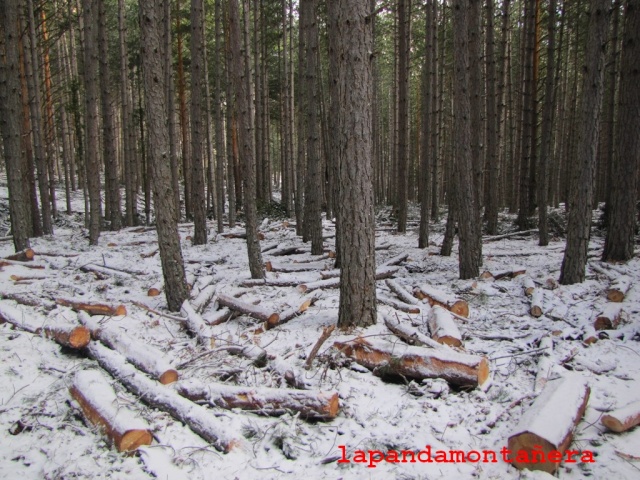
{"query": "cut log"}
[(254, 311), (294, 267), (619, 288), (504, 274), (537, 303), (398, 360), (62, 332), (25, 255), (197, 325), (545, 364), (398, 305), (409, 334), (265, 401), (612, 316), (21, 278), (155, 289), (623, 419), (495, 238), (443, 328), (271, 282), (6, 262), (438, 297), (253, 352), (528, 285), (333, 279), (56, 254), (89, 268), (282, 251), (549, 423), (101, 407), (92, 308), (589, 335), (241, 235), (145, 357), (384, 246), (291, 313), (395, 260), (29, 299), (217, 317), (196, 417), (204, 298), (402, 293), (292, 376), (269, 246)]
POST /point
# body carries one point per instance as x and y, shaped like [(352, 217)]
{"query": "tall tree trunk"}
[(10, 122), (581, 193), (469, 228), (184, 128), (547, 128), (171, 106), (349, 22), (198, 106), (92, 89), (108, 125), (493, 128), (404, 7), (240, 82), (32, 62), (153, 50), (624, 181), (427, 117), (474, 19), (312, 205), (219, 127)]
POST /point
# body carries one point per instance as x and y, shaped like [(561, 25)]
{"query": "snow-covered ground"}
[(43, 434)]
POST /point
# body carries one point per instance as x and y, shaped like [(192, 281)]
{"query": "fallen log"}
[(495, 238), (29, 299), (537, 303), (402, 293), (623, 419), (619, 288), (398, 360), (410, 335), (282, 251), (266, 401), (155, 289), (145, 357), (395, 260), (62, 332), (291, 313), (203, 299), (197, 326), (101, 407), (292, 376), (589, 335), (93, 308), (442, 327), (6, 262), (241, 235), (612, 316), (438, 297), (25, 255), (271, 282), (548, 425), (253, 352), (502, 274), (398, 305), (217, 317), (528, 285), (245, 308), (294, 267), (200, 420), (333, 281), (89, 268), (21, 278)]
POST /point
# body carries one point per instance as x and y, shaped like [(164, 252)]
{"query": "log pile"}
[(549, 423), (100, 406), (389, 360)]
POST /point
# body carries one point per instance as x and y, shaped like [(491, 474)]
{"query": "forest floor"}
[(43, 433)]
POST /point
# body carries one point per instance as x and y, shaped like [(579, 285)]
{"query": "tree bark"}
[(619, 242), (153, 49), (581, 194), (404, 7), (349, 21)]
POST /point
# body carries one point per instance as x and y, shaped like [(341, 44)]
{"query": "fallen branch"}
[(159, 313), (334, 280), (495, 238), (292, 313), (326, 333), (267, 401), (196, 417)]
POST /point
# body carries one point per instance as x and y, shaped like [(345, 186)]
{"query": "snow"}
[(56, 443)]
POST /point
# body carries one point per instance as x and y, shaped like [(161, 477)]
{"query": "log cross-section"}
[(99, 404), (399, 360), (548, 425)]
